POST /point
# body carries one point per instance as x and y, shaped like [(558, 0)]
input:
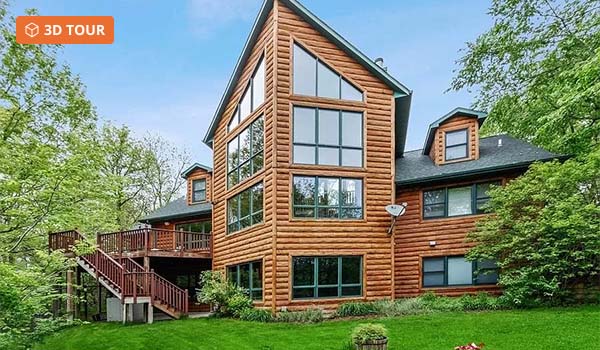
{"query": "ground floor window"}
[(326, 277), (446, 271), (247, 276), (198, 226)]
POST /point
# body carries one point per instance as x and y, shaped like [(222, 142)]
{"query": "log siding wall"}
[(413, 234)]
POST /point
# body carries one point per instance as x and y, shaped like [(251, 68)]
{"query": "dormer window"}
[(198, 190), (252, 98), (312, 77), (457, 143)]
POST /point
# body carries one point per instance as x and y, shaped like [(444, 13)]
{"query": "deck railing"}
[(127, 276), (153, 239)]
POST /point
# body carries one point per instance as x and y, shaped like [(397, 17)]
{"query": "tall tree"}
[(537, 72)]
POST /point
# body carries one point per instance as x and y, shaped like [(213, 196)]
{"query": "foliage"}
[(355, 308), (226, 298), (545, 233), (537, 72), (471, 346), (26, 288), (256, 315), (310, 315), (367, 332)]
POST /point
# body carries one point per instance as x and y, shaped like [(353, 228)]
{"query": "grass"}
[(559, 328)]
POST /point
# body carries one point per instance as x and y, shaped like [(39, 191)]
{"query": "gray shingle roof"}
[(178, 209), (415, 167)]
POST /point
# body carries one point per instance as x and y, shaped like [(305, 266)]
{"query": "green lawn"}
[(569, 328)]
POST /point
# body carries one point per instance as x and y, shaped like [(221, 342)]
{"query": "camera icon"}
[(32, 29)]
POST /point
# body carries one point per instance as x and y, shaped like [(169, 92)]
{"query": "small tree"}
[(226, 298), (545, 232)]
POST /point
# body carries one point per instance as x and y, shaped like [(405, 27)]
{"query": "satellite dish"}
[(396, 210)]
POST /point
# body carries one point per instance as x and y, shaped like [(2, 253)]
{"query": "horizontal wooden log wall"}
[(367, 237), (438, 149), (254, 243), (195, 175), (413, 234)]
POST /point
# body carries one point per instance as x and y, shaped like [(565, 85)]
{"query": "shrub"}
[(257, 315), (400, 307), (355, 308), (481, 301), (307, 316), (440, 303), (367, 332), (227, 299)]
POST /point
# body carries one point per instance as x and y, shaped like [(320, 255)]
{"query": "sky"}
[(171, 60)]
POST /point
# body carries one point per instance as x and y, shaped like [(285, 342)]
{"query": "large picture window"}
[(327, 197), (249, 277), (245, 153), (245, 209), (457, 201), (457, 143), (314, 78), (252, 98), (328, 137), (326, 277), (447, 271), (198, 190)]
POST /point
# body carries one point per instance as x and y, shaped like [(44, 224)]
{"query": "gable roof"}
[(193, 167), (177, 209), (467, 112), (514, 154), (399, 89)]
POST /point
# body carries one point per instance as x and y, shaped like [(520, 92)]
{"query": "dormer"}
[(454, 137), (199, 179)]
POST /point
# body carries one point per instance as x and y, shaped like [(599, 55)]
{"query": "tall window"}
[(313, 78), (457, 201), (198, 226), (249, 277), (245, 209), (457, 143), (327, 198), (328, 137), (326, 277), (198, 190), (457, 271), (252, 98), (245, 153)]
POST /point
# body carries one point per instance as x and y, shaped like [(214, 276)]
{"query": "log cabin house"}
[(308, 149)]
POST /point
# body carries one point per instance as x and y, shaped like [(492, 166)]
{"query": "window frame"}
[(474, 273), (249, 88), (251, 208), (465, 145), (194, 191), (334, 71), (253, 153), (316, 205), (340, 146), (474, 198), (250, 290), (203, 222), (339, 284)]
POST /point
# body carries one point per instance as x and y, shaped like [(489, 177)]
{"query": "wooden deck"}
[(152, 242)]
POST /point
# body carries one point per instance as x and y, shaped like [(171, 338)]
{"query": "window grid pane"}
[(245, 209), (326, 197), (326, 277), (245, 153), (247, 276), (327, 137), (457, 271)]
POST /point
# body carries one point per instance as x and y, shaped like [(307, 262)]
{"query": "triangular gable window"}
[(312, 77), (252, 98)]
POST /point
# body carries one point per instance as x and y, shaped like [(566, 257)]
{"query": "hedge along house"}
[(308, 148)]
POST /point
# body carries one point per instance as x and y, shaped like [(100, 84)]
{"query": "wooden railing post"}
[(146, 238), (120, 235)]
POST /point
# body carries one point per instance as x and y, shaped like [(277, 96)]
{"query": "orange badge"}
[(65, 29)]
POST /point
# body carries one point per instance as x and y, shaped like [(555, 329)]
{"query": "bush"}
[(307, 316), (355, 308), (227, 299), (367, 332), (400, 307), (256, 315)]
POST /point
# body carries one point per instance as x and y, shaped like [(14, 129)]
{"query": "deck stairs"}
[(124, 278)]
